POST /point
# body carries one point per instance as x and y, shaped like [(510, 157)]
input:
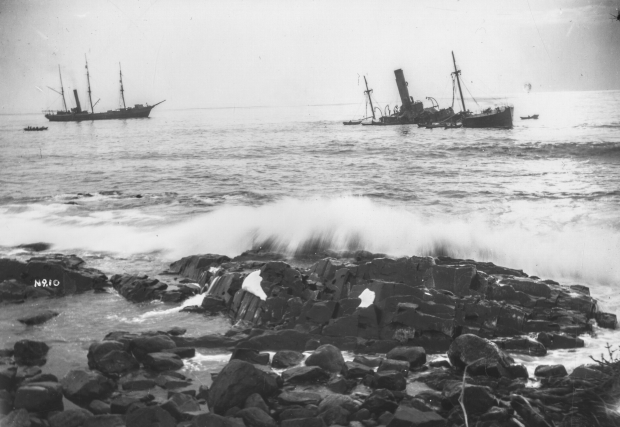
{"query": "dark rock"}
[(385, 418), (70, 418), (7, 376), (149, 417), (256, 401), (585, 372), (26, 372), (13, 291), (342, 327), (416, 356), (121, 404), (27, 352), (338, 385), (495, 414), (39, 397), (303, 422), (530, 415), (213, 304), (321, 311), (368, 322), (66, 272), (236, 382), (408, 314), (254, 417), (458, 279), (391, 380), (299, 398), (302, 374), (38, 318), (521, 345), (81, 386), (142, 346), (176, 331), (357, 370), (347, 306), (606, 320), (163, 361), (250, 356), (379, 401), (477, 399), (439, 363), (401, 366), (362, 414), (481, 356), (286, 339), (559, 341), (206, 341), (298, 412), (312, 344), (98, 407), (410, 417), (181, 406), (16, 418), (137, 382), (286, 358), (334, 415), (327, 357), (212, 420), (550, 371), (368, 361), (105, 420), (110, 358), (182, 352), (339, 400), (138, 288)]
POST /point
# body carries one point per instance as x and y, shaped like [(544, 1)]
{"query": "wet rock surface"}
[(475, 314)]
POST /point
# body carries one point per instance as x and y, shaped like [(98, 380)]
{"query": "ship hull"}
[(495, 119), (133, 113)]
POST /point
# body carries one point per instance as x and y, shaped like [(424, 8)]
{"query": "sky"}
[(235, 53)]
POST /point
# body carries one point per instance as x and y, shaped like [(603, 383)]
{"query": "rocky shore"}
[(287, 338)]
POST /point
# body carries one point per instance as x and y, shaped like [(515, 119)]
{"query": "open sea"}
[(132, 196)]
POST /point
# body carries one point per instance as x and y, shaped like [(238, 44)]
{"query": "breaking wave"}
[(553, 248)]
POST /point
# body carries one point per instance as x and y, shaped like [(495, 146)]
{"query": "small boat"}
[(32, 128), (500, 117), (352, 122), (534, 117)]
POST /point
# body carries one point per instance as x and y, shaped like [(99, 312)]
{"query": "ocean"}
[(132, 196)]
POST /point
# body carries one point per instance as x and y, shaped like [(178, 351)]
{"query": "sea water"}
[(131, 196)]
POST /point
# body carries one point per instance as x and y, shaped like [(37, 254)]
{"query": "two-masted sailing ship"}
[(77, 114)]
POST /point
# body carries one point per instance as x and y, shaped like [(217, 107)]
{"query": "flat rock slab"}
[(38, 318)]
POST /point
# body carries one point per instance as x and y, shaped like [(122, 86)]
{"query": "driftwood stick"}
[(462, 396)]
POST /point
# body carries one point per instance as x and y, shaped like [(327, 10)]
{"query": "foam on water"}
[(252, 284)]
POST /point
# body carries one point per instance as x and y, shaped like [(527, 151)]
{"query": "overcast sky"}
[(273, 53)]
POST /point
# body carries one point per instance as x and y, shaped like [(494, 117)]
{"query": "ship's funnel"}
[(78, 108), (402, 89)]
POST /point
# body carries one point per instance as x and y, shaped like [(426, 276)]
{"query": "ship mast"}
[(458, 81), (122, 90), (62, 90), (92, 110), (367, 92)]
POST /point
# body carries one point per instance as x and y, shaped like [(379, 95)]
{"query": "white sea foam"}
[(368, 297), (560, 247), (252, 284)]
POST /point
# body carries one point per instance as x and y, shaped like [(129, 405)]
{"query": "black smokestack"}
[(78, 109)]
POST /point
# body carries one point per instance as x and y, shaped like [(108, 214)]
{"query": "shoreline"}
[(421, 303)]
